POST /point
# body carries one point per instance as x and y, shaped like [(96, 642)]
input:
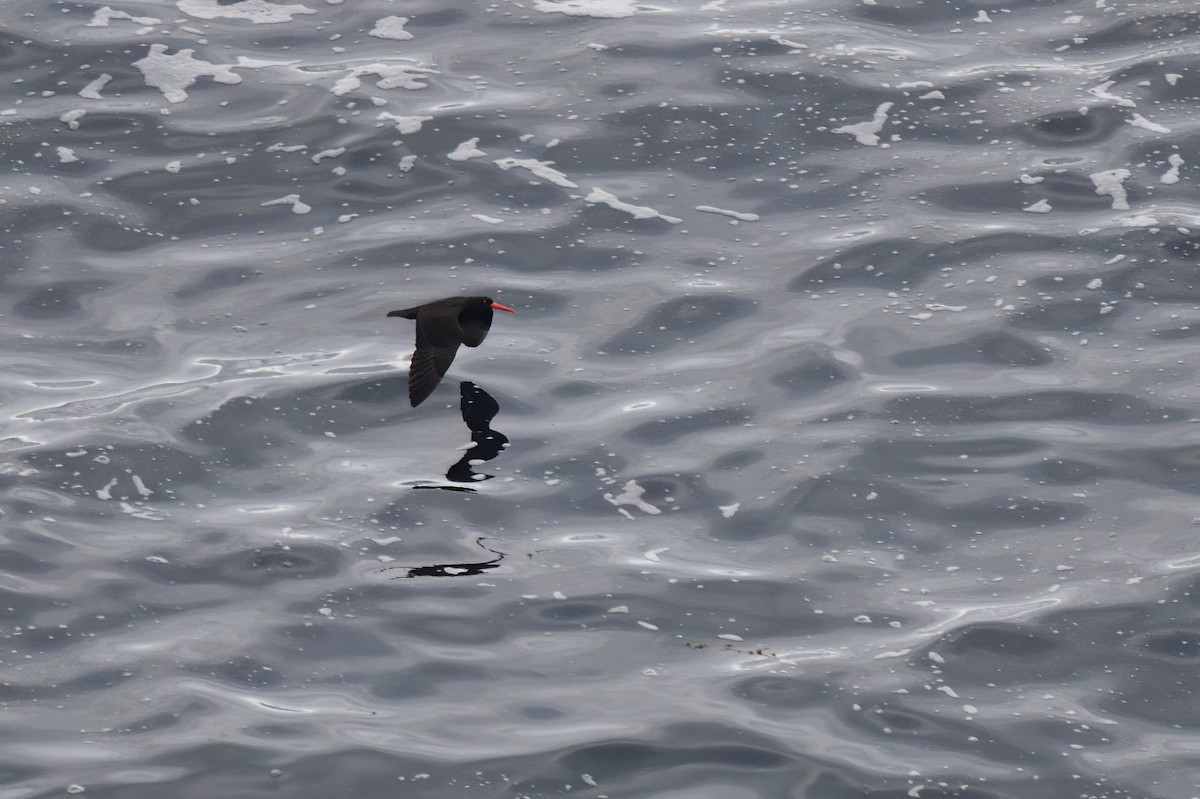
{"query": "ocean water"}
[(844, 443)]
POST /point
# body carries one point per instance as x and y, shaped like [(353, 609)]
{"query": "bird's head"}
[(490, 303)]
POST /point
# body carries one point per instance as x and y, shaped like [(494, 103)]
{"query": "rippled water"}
[(849, 408)]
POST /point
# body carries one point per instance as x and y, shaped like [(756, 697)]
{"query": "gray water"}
[(843, 444)]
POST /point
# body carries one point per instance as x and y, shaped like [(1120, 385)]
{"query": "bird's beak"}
[(500, 307)]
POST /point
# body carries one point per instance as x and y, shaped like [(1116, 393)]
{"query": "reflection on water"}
[(468, 569), (478, 409)]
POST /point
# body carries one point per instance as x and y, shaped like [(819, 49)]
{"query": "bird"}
[(442, 327)]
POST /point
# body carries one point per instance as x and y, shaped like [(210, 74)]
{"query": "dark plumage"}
[(442, 327)]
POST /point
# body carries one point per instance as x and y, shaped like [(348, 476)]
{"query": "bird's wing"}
[(438, 339)]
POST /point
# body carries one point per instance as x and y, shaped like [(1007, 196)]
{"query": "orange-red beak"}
[(500, 307)]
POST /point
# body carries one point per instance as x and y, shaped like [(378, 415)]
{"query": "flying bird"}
[(442, 327)]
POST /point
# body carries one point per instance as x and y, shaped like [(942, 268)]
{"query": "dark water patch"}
[(850, 497), (1066, 471), (113, 235), (16, 689), (708, 746), (519, 251), (669, 430), (240, 671), (891, 718), (1145, 29), (1082, 406), (109, 468), (1172, 276), (674, 134), (677, 321), (1071, 128), (1185, 88), (1000, 349), (1170, 467), (576, 389), (1068, 315), (259, 566), (448, 629), (1170, 645), (59, 300), (810, 373), (249, 432), (898, 263), (329, 642), (737, 460), (427, 679), (979, 197), (13, 561), (926, 457), (1007, 654), (217, 280), (165, 720), (205, 768), (1004, 512), (778, 694)]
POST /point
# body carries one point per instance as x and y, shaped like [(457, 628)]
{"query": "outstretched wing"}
[(438, 339)]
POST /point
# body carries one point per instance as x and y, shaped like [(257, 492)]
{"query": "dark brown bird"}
[(442, 327)]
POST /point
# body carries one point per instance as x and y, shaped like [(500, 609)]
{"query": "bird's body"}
[(442, 327)]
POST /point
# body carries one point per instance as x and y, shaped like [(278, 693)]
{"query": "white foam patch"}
[(728, 510), (293, 200), (868, 132), (1140, 121), (541, 169), (171, 74), (334, 153), (1039, 207), (1112, 183), (92, 90), (603, 9), (407, 163), (174, 167), (391, 76), (391, 28), (598, 195), (1102, 92), (631, 495), (1172, 174), (259, 12), (405, 125), (739, 215), (466, 151), (104, 15), (105, 493), (491, 220), (66, 155), (71, 118)]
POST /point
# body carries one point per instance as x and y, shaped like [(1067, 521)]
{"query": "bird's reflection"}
[(452, 569), (478, 409)]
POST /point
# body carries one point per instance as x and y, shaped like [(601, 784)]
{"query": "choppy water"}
[(850, 405)]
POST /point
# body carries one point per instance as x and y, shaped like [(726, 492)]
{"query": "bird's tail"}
[(407, 313)]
